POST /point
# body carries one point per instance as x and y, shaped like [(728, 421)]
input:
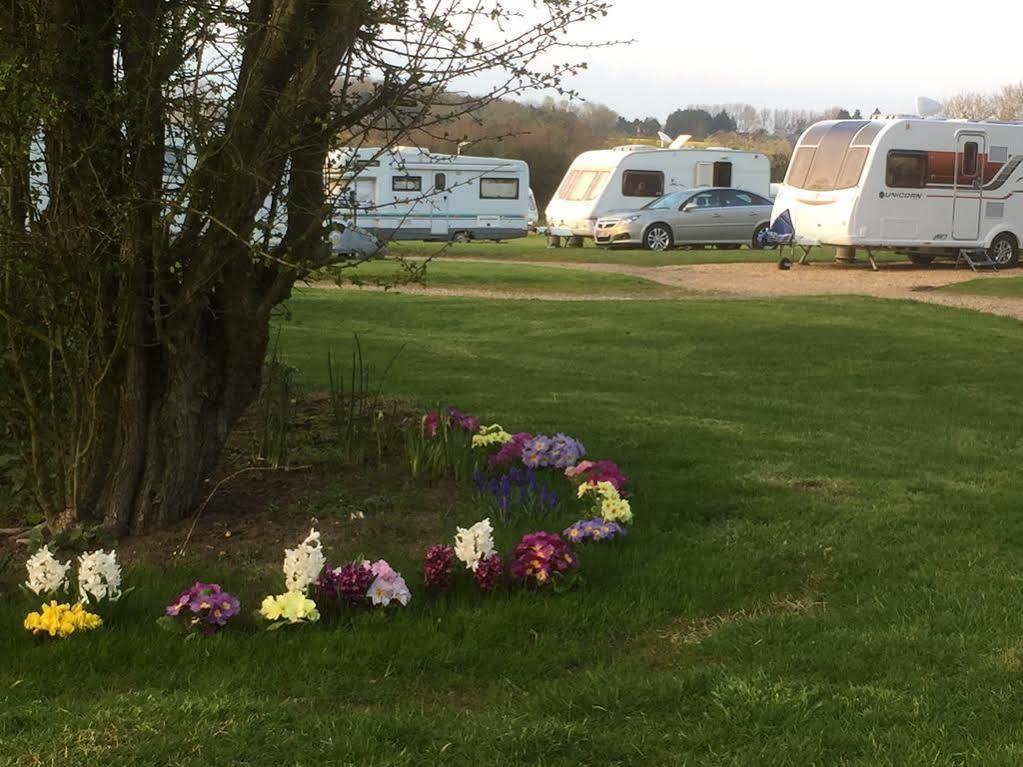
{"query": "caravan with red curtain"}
[(923, 187)]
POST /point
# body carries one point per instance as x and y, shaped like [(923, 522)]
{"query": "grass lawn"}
[(825, 567), (1009, 287), (534, 248), (516, 278)]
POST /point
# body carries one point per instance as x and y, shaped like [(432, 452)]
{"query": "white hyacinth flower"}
[(303, 564), (46, 575), (475, 544), (99, 576)]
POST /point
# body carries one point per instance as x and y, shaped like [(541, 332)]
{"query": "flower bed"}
[(530, 485)]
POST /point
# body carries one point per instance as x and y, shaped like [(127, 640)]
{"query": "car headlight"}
[(629, 219)]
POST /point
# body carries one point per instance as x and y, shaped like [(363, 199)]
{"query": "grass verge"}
[(1008, 287), (512, 279)]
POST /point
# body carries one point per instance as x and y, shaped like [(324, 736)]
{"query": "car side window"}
[(743, 199), (718, 199), (703, 200)]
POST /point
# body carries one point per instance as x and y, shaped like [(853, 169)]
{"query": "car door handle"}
[(715, 215)]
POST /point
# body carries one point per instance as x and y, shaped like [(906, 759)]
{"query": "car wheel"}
[(919, 259), (658, 237), (1004, 251), (758, 233)]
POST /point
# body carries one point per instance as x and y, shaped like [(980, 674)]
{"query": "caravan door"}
[(968, 192), (714, 174), (438, 204)]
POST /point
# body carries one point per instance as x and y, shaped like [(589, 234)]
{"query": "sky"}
[(796, 54)]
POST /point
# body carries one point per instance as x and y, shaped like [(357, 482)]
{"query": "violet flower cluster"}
[(437, 565), (205, 607), (489, 572), (456, 420), (593, 530), (538, 557), (349, 583), (598, 471), (517, 490), (511, 451), (558, 452), (362, 583)]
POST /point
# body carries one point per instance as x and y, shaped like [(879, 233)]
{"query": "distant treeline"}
[(1004, 104)]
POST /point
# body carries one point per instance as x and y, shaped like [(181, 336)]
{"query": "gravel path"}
[(765, 280)]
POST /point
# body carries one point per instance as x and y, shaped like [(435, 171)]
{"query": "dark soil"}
[(253, 512)]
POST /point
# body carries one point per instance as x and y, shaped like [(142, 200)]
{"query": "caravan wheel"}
[(1004, 251), (461, 237)]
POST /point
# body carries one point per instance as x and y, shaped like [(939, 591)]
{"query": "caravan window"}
[(831, 155), (499, 189), (800, 166), (642, 183), (582, 185), (906, 170), (970, 155), (407, 183), (852, 168), (827, 162)]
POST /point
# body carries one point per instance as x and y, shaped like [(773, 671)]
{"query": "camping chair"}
[(782, 234)]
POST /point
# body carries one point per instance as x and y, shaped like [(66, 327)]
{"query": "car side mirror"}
[(688, 207)]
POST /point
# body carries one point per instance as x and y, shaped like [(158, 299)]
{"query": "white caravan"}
[(628, 177), (924, 187), (409, 193)]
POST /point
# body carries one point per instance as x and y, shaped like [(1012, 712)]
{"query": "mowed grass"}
[(824, 570), (510, 279), (1008, 287), (534, 249)]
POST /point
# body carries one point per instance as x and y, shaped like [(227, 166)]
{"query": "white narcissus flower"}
[(304, 563), (99, 576), (46, 575), (475, 544)]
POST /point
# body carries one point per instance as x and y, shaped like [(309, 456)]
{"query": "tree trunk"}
[(177, 400)]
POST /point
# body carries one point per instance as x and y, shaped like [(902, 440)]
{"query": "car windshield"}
[(673, 200)]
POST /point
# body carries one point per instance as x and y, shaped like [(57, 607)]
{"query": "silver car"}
[(704, 216)]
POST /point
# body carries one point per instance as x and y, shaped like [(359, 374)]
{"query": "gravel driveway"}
[(764, 280)]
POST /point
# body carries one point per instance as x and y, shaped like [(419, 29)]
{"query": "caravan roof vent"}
[(632, 147)]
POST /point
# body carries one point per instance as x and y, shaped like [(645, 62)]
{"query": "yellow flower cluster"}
[(61, 620), (613, 508), (292, 606), (490, 435)]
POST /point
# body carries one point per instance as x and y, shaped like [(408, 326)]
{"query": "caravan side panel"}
[(419, 196)]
